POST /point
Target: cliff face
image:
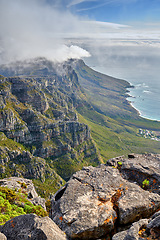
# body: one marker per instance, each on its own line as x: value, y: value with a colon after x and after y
x: 38, y: 112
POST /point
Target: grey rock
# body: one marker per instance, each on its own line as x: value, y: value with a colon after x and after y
x: 133, y: 232
x: 32, y: 227
x: 153, y: 227
x: 138, y: 168
x: 89, y: 205
x: 25, y: 185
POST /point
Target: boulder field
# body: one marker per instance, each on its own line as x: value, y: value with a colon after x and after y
x: 100, y: 201
x: 118, y: 200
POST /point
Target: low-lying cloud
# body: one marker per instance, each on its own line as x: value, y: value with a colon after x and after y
x: 33, y: 28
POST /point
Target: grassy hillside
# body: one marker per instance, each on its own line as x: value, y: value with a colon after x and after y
x: 105, y: 93
x: 108, y: 96
x: 114, y: 138
x: 113, y: 121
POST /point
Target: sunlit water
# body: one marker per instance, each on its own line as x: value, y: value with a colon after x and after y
x: 138, y: 65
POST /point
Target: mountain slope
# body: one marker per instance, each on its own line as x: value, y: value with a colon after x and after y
x: 108, y: 96
x: 38, y: 112
x: 113, y: 121
x: 41, y: 107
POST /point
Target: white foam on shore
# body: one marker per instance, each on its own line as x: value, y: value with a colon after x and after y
x: 140, y: 113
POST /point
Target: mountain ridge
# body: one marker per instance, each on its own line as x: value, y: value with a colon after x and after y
x: 39, y: 112
x: 47, y: 108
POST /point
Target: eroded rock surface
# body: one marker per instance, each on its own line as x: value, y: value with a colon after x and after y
x: 148, y: 229
x: 133, y: 233
x: 95, y: 200
x: 138, y: 168
x: 25, y: 185
x: 30, y: 226
x: 153, y: 227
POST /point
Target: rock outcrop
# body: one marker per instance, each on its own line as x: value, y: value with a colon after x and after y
x: 95, y: 202
x: 30, y: 226
x: 133, y: 233
x: 38, y: 111
x: 143, y: 229
x: 138, y: 168
x: 15, y: 161
x: 38, y: 101
x: 25, y: 185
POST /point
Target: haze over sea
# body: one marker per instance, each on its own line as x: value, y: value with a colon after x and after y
x: 136, y: 61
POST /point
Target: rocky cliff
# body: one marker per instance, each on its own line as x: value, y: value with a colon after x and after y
x: 38, y: 112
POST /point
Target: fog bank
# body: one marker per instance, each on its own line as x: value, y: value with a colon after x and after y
x: 33, y: 28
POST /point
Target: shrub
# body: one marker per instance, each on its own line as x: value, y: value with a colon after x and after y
x: 23, y: 184
x: 11, y: 205
x: 10, y: 195
x: 120, y: 163
x: 28, y: 209
x: 145, y: 183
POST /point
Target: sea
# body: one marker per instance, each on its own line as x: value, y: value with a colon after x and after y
x: 136, y: 61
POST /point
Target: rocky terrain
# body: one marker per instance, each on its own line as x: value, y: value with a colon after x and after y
x: 99, y: 201
x: 26, y: 185
x: 43, y: 140
x: 102, y: 202
x: 41, y: 137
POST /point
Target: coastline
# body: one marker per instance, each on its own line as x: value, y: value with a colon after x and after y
x: 129, y: 96
x: 133, y: 106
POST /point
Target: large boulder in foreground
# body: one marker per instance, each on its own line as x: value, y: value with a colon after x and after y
x: 96, y: 200
x: 30, y: 226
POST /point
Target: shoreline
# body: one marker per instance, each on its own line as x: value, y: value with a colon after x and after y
x: 128, y: 92
x: 138, y: 111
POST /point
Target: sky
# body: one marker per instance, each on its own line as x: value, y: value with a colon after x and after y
x: 119, y: 11
x: 31, y: 28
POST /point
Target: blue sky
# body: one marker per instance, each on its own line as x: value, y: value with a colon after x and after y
x: 119, y: 11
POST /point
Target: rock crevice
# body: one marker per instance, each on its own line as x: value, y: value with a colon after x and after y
x: 99, y: 201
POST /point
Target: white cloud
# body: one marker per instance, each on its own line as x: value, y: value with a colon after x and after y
x: 32, y: 28
x: 106, y: 25
x: 75, y: 2
x: 101, y: 3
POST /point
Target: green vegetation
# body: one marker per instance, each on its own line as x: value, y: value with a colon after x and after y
x: 14, y: 203
x: 120, y: 163
x: 114, y: 123
x: 145, y: 183
x: 31, y: 115
x: 10, y: 144
x: 50, y: 186
x: 48, y: 206
x: 113, y: 138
